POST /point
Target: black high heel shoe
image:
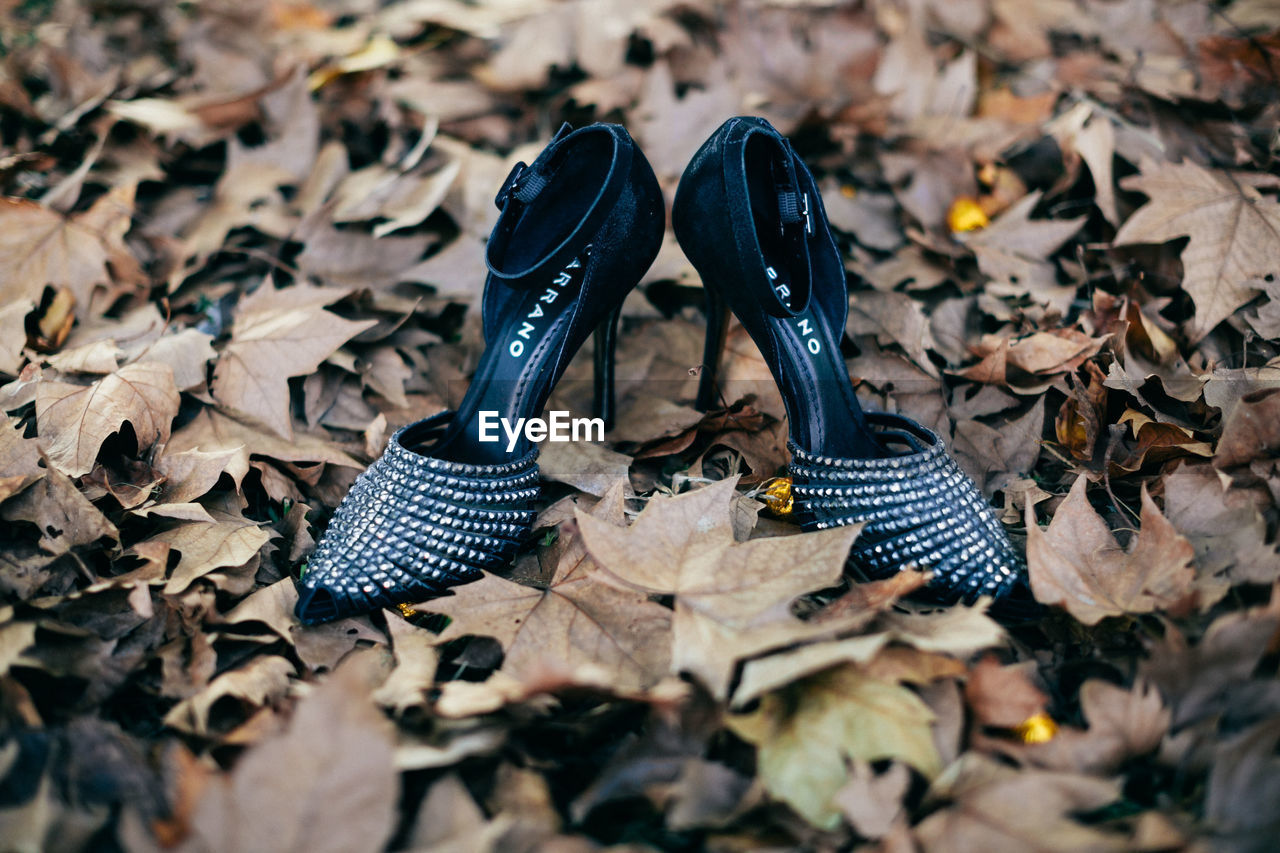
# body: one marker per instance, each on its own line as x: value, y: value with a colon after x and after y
x: 579, y: 227
x: 749, y: 217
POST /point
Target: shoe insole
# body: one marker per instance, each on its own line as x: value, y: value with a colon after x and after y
x: 823, y: 412
x: 517, y: 370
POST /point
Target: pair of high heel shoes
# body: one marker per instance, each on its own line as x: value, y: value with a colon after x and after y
x: 579, y: 228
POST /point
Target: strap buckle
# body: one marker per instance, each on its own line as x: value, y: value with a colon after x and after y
x: 511, y: 185
x: 793, y: 209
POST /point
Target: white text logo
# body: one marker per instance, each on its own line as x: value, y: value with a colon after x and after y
x: 558, y: 427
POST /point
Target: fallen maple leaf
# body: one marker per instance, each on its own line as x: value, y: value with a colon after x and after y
x: 999, y: 809
x: 1234, y: 231
x: 894, y: 318
x: 1077, y: 563
x: 1251, y: 431
x: 1123, y: 723
x: 328, y: 784
x: 75, y: 419
x: 64, y: 516
x: 278, y: 334
x: 190, y: 474
x: 873, y: 803
x: 1243, y: 785
x: 40, y: 247
x: 415, y: 670
x: 214, y: 431
x: 574, y: 622
x: 1013, y: 249
x: 1023, y: 364
x: 1003, y: 696
x: 732, y: 599
x: 263, y: 679
x: 226, y: 542
x: 1225, y: 525
x: 807, y: 733
x: 1196, y: 680
x: 20, y: 464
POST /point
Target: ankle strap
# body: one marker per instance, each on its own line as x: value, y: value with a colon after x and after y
x: 795, y: 220
x: 525, y: 184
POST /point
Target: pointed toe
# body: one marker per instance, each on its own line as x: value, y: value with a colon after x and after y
x: 917, y: 509
x: 317, y: 604
x: 1018, y: 605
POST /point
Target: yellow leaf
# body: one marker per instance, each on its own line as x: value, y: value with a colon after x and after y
x: 808, y: 733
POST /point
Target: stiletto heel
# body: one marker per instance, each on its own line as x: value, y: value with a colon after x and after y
x: 449, y: 498
x: 604, y: 359
x: 749, y: 216
x: 712, y: 350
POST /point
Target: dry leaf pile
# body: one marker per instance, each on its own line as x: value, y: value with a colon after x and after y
x: 242, y: 242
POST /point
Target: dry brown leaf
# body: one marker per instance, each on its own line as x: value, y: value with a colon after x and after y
x: 1077, y: 563
x: 98, y: 357
x: 1196, y: 680
x: 1122, y: 724
x: 65, y: 517
x: 75, y: 420
x: 1251, y: 431
x: 912, y: 666
x: 761, y: 675
x: 406, y: 687
x: 449, y: 821
x: 215, y: 431
x: 354, y: 259
x: 1003, y: 696
x: 1242, y: 786
x: 574, y: 623
x: 20, y: 464
x: 958, y: 630
x: 226, y: 542
x: 191, y: 474
x: 1023, y: 364
x: 41, y: 247
x: 188, y: 352
x: 15, y: 638
x: 732, y: 599
x: 586, y: 465
x: 1080, y: 421
x: 328, y: 784
x: 871, y: 802
x: 278, y: 334
x: 1234, y: 231
x: 262, y: 680
x: 1225, y: 525
x: 1156, y: 442
x: 1002, y: 810
x: 894, y: 318
x: 995, y: 456
x: 271, y: 605
x: 1015, y: 232
x: 13, y: 334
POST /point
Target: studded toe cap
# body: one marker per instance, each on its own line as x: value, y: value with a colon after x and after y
x: 919, y: 510
x: 411, y: 526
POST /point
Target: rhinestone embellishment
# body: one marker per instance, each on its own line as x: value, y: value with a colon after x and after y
x: 918, y: 510
x: 412, y: 526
